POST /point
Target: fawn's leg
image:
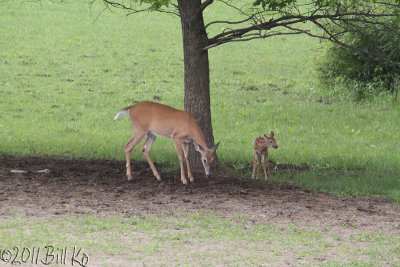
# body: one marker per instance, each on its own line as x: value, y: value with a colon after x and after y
x: 185, y: 147
x: 263, y: 165
x: 269, y: 168
x: 128, y: 149
x: 255, y: 163
x: 146, y: 153
x: 258, y: 165
x: 179, y: 151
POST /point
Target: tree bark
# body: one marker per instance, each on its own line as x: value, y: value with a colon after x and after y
x: 197, y: 72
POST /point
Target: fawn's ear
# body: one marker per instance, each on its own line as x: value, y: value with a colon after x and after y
x: 271, y: 134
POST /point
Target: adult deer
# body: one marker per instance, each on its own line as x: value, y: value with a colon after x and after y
x: 150, y: 120
x: 260, y: 147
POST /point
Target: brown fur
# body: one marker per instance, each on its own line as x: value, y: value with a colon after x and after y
x: 260, y: 149
x: 150, y: 119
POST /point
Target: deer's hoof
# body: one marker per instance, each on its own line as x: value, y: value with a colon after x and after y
x: 129, y: 177
x: 158, y: 177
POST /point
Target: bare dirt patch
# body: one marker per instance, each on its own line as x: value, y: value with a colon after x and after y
x: 76, y: 187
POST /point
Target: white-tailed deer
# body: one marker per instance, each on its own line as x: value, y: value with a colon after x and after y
x: 260, y: 146
x: 150, y: 120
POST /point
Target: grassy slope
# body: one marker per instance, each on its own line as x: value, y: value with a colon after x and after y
x: 63, y: 77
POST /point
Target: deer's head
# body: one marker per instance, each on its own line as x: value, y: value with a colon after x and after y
x: 207, y: 156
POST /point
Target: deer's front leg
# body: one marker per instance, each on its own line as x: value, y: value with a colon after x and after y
x: 264, y: 167
x: 179, y: 150
x: 185, y: 147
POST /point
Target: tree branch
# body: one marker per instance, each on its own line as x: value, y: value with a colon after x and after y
x: 229, y: 22
x: 205, y: 4
x: 291, y: 19
x: 240, y: 10
x: 132, y: 10
x: 333, y: 38
x: 251, y: 37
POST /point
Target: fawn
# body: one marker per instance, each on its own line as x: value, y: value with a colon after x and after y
x: 260, y: 146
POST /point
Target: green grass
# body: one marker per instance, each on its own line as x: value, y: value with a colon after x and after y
x: 63, y: 76
x: 203, y: 239
x: 358, y: 183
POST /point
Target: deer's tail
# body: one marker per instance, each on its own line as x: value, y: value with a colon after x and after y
x: 122, y: 113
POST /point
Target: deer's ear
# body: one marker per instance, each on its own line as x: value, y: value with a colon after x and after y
x: 271, y: 134
x: 215, y: 147
x: 197, y: 147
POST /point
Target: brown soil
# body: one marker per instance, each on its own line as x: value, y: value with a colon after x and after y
x: 100, y: 187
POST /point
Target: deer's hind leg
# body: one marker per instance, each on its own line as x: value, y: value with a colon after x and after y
x: 146, y: 153
x: 128, y: 149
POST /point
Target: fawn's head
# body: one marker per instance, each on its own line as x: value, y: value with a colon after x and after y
x: 266, y: 141
x: 207, y: 156
x: 270, y: 140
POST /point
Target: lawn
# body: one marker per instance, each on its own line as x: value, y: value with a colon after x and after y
x: 200, y: 239
x: 64, y: 74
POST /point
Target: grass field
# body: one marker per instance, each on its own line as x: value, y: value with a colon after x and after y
x: 63, y: 75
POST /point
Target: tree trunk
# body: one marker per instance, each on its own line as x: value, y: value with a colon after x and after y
x: 197, y: 72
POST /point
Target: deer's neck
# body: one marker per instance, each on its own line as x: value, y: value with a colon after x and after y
x: 198, y: 137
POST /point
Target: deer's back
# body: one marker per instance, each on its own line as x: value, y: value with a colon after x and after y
x: 161, y: 119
